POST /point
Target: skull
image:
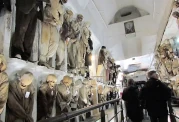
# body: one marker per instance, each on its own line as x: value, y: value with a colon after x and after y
x: 51, y: 80
x: 26, y: 80
x: 67, y: 80
x: 68, y: 15
x: 79, y: 18
x: 175, y: 14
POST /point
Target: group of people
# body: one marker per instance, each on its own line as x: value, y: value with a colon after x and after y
x: 153, y: 97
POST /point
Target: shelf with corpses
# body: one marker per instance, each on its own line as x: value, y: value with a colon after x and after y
x: 16, y: 67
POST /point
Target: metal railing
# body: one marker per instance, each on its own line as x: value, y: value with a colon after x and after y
x: 173, y: 117
x: 70, y: 115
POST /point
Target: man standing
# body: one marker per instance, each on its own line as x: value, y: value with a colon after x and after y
x: 155, y: 95
x: 131, y: 97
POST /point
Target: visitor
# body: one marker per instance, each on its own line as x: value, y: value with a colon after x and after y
x: 131, y: 97
x: 155, y: 95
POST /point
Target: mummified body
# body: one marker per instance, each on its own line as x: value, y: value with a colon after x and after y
x: 73, y: 45
x: 26, y: 19
x: 53, y: 17
x: 75, y: 96
x: 102, y: 61
x: 65, y: 33
x: 21, y: 99
x: 84, y: 100
x: 64, y: 96
x: 83, y: 95
x: 83, y: 43
x: 46, y: 97
x: 4, y: 84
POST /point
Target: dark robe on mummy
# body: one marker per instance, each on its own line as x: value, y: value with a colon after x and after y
x: 88, y: 56
x: 63, y: 99
x: 65, y: 33
x: 20, y: 103
x: 4, y: 87
x: 5, y: 4
x: 45, y: 99
x: 26, y: 19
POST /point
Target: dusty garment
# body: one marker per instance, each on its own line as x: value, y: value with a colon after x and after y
x: 70, y: 58
x: 5, y: 4
x: 88, y: 57
x: 20, y: 103
x: 175, y: 66
x: 25, y: 29
x: 45, y: 99
x: 73, y: 51
x: 83, y: 100
x: 49, y: 42
x: 53, y: 13
x: 73, y: 47
x: 60, y: 57
x: 81, y: 52
x: 84, y: 46
x: 100, y: 70
x: 63, y: 100
x: 168, y: 65
x: 4, y: 87
x: 101, y: 58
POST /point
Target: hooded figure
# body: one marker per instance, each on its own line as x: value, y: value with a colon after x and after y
x: 88, y: 57
x: 46, y: 97
x: 64, y: 96
x: 84, y: 47
x: 73, y: 44
x: 131, y: 97
x: 4, y: 84
x: 21, y: 99
x: 102, y: 60
x: 25, y: 28
x: 53, y: 17
x: 64, y: 35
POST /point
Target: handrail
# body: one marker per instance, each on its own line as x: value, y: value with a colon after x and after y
x: 115, y: 115
x: 175, y: 98
x: 174, y: 116
x: 70, y: 115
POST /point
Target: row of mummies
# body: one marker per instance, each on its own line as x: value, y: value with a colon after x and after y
x: 52, y: 42
x: 167, y: 57
x: 19, y: 95
x: 58, y: 29
x: 106, y: 64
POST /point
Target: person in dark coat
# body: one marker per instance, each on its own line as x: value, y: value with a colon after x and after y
x: 155, y: 95
x: 131, y: 97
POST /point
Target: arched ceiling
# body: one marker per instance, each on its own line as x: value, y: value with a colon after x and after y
x: 101, y: 12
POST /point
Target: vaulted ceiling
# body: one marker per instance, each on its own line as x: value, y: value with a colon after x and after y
x: 101, y: 12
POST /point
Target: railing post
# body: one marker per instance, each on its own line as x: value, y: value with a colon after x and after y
x: 122, y: 114
x: 115, y: 111
x: 103, y: 118
x: 172, y: 118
